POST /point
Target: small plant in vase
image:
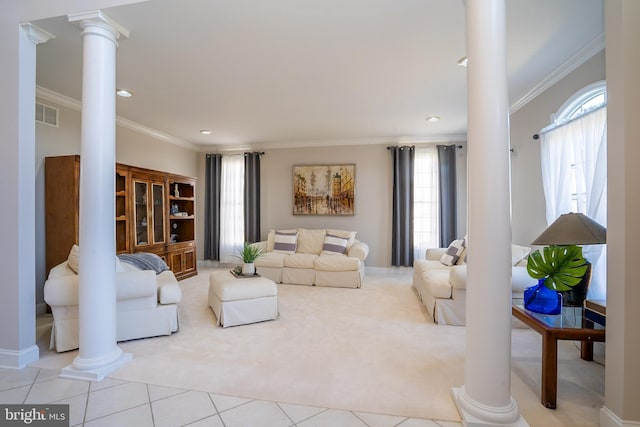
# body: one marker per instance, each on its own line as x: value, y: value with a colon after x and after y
x: 248, y: 254
x: 557, y: 268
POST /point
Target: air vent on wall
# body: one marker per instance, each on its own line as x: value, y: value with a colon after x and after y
x: 46, y: 114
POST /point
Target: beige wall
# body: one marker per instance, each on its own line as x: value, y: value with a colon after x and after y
x: 132, y: 148
x: 528, y: 206
x: 372, y: 219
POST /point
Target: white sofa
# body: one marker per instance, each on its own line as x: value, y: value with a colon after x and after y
x: 311, y: 264
x: 443, y: 289
x: 147, y: 304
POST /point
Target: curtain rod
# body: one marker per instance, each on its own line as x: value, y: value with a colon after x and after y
x: 401, y: 146
x: 555, y: 126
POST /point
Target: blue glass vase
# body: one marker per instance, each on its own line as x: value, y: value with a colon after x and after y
x: 541, y: 299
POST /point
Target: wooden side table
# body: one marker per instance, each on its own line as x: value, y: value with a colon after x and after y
x: 568, y: 325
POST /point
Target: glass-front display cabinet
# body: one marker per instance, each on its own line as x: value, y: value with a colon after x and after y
x: 149, y: 212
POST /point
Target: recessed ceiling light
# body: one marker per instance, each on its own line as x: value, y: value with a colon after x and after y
x: 433, y: 119
x: 124, y: 93
x: 463, y: 61
x: 205, y: 132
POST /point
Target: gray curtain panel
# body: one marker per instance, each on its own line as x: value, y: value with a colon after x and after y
x: 402, y: 225
x: 213, y: 174
x: 448, y: 207
x: 252, y: 197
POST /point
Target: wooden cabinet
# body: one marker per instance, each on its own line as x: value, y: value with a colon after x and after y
x: 154, y: 212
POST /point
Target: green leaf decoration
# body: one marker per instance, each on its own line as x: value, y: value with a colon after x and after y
x: 249, y: 253
x: 562, y: 267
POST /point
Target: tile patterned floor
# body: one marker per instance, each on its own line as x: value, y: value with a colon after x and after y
x: 110, y: 403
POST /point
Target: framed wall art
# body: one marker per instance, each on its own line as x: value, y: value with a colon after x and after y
x: 324, y: 189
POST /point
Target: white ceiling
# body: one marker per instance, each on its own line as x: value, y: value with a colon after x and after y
x: 272, y: 73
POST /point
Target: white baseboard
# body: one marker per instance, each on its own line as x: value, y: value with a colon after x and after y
x: 18, y: 359
x: 609, y: 419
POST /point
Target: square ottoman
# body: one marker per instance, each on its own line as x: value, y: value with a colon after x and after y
x: 238, y: 301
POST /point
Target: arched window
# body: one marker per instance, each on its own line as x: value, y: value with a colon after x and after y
x: 587, y: 99
x: 573, y: 156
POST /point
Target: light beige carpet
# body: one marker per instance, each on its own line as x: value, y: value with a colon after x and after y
x: 371, y: 349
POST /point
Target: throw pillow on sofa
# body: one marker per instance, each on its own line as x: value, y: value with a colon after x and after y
x: 334, y: 245
x: 453, y: 252
x: 285, y: 242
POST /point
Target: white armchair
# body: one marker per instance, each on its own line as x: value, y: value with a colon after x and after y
x: 147, y: 304
x: 443, y: 289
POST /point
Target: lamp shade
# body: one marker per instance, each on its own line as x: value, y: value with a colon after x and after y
x: 572, y: 229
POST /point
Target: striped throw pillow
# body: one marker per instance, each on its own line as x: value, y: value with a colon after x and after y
x: 334, y: 245
x: 452, y: 255
x: 285, y: 242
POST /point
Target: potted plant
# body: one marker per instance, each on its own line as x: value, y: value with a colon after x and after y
x: 248, y: 254
x: 558, y: 269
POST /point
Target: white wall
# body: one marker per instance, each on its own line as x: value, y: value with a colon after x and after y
x: 528, y: 206
x: 132, y: 148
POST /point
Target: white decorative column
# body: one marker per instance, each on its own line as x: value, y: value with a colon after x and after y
x: 485, y: 398
x: 99, y: 353
x: 17, y: 173
x: 622, y: 374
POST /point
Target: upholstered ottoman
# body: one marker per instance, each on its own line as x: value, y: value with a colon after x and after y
x: 238, y: 301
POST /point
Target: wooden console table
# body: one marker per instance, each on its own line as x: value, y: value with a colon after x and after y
x: 568, y: 325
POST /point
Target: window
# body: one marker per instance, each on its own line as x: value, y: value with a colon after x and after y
x: 574, y: 167
x: 426, y: 208
x: 231, y: 207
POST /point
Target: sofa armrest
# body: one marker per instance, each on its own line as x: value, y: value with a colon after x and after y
x: 458, y: 277
x: 434, y: 254
x: 63, y: 290
x: 358, y: 250
x: 169, y: 291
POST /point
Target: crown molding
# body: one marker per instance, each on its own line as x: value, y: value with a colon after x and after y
x: 594, y: 46
x: 456, y: 138
x: 76, y: 105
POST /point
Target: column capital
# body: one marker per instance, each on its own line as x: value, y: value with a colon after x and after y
x: 97, y: 18
x: 36, y: 34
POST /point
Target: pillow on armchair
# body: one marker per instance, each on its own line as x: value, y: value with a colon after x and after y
x: 454, y: 252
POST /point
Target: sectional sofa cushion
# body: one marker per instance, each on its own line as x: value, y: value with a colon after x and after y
x: 335, y: 263
x: 300, y: 260
x: 310, y: 241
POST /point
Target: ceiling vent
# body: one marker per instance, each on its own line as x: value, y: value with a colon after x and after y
x: 46, y: 114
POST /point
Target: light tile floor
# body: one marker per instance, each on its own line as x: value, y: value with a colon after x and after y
x: 116, y: 403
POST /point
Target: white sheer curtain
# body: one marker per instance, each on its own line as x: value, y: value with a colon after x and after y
x: 231, y: 208
x: 574, y: 177
x: 426, y: 210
